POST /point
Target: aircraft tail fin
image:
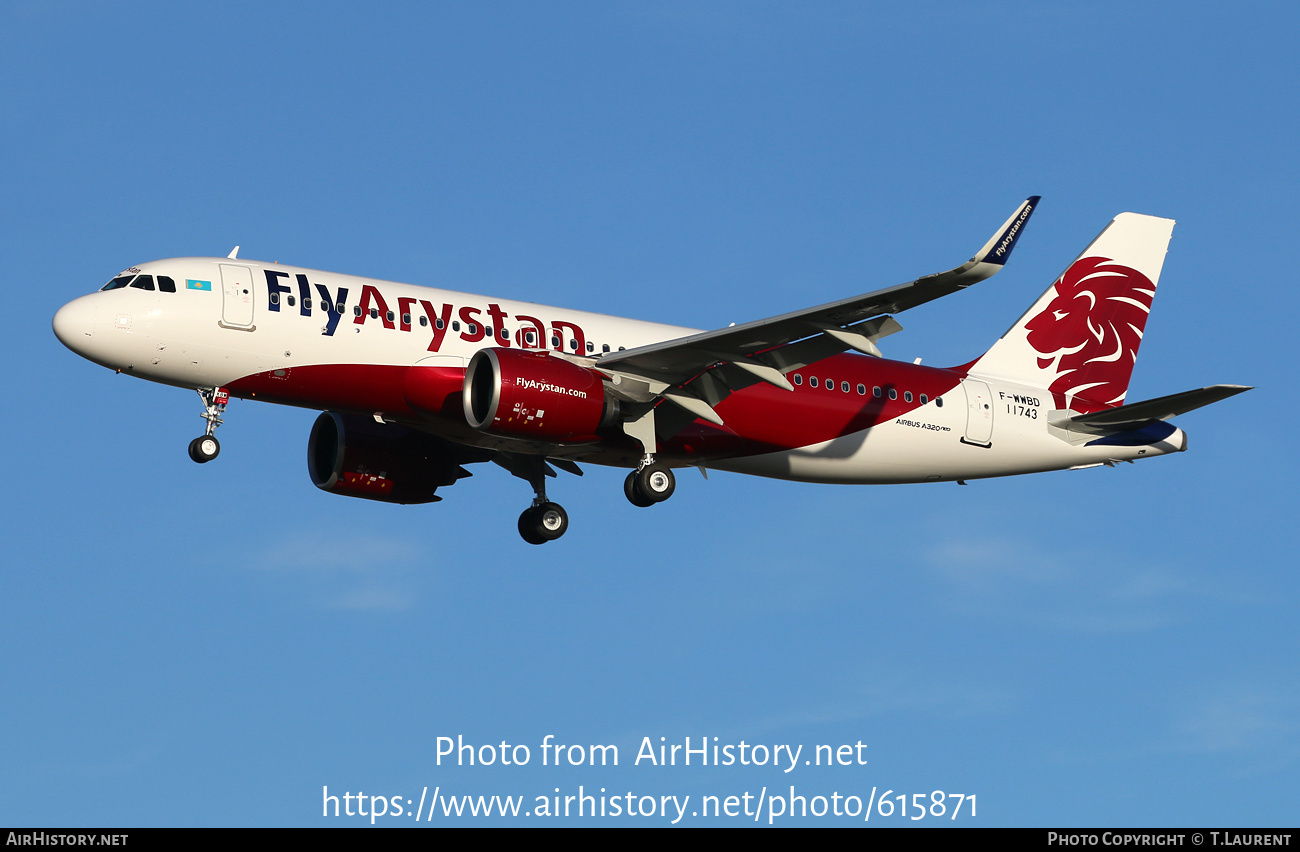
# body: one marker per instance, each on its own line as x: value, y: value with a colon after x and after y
x: 1081, y: 338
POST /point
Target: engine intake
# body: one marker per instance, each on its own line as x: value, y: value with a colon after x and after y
x: 535, y: 395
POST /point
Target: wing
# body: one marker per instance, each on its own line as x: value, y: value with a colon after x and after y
x: 699, y: 370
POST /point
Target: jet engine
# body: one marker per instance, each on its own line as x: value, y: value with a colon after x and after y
x: 357, y: 457
x: 536, y: 396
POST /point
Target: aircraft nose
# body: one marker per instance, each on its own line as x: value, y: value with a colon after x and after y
x: 74, y: 324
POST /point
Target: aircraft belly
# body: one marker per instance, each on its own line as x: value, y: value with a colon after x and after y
x: 919, y: 449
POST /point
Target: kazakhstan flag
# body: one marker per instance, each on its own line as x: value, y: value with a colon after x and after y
x: 193, y: 284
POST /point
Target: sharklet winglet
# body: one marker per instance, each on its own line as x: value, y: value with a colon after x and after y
x: 998, y: 249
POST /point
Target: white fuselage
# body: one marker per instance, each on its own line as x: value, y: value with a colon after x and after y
x: 229, y: 320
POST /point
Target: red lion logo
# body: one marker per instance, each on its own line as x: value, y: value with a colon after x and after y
x: 1091, y: 331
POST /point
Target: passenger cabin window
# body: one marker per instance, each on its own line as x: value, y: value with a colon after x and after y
x: 356, y: 310
x: 876, y: 392
x: 143, y: 282
x: 844, y: 386
x: 604, y: 347
x: 893, y: 393
x: 812, y: 381
x: 923, y: 399
x: 798, y: 378
x: 907, y: 396
x: 424, y: 321
x: 306, y: 303
x: 862, y: 390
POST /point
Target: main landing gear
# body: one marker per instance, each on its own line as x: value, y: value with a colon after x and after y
x: 649, y: 484
x: 543, y: 521
x: 206, y: 447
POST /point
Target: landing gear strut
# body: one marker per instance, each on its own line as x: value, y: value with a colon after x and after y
x: 543, y: 521
x: 649, y: 484
x: 206, y: 447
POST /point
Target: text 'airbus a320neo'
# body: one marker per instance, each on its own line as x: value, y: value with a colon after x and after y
x: 415, y: 383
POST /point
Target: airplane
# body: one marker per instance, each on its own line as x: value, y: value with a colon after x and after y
x: 414, y: 383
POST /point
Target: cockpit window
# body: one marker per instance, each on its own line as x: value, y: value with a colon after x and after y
x: 166, y: 284
x: 143, y: 282
x: 118, y: 282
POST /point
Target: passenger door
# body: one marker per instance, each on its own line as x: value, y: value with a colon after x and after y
x: 979, y: 413
x: 236, y: 297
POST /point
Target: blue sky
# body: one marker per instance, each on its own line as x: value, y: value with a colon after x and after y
x: 187, y: 645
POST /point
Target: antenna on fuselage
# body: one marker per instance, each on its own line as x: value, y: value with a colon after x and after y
x: 234, y: 252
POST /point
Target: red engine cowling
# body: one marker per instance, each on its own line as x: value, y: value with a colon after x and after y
x: 534, y: 395
x: 357, y: 457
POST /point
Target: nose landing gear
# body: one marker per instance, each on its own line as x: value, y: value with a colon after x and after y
x: 205, y: 448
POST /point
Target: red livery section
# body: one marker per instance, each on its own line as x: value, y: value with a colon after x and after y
x: 434, y: 390
x: 535, y: 395
x: 834, y: 398
x: 362, y: 388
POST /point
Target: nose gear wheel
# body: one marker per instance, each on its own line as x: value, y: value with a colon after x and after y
x: 205, y: 448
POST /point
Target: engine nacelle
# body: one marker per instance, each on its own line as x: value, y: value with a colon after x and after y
x: 357, y: 457
x: 537, y: 396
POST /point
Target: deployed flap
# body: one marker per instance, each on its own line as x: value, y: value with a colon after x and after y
x: 1139, y: 414
x: 675, y: 361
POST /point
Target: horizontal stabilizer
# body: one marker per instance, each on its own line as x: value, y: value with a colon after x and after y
x: 1138, y: 414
